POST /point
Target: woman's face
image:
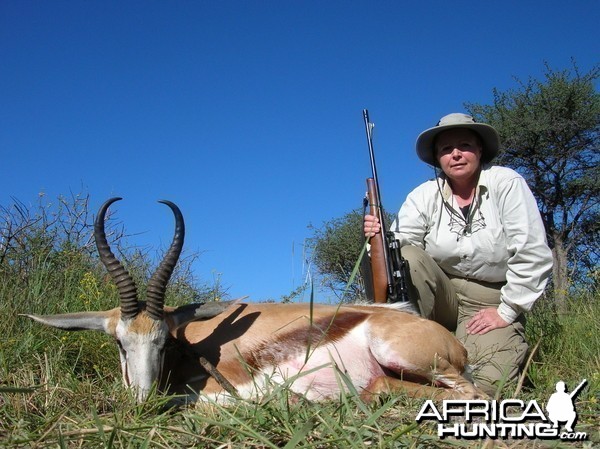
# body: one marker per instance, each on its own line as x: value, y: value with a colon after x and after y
x: 458, y: 152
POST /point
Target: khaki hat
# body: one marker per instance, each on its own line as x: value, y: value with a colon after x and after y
x: 489, y: 137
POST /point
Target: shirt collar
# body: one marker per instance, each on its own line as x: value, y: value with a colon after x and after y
x: 480, y: 190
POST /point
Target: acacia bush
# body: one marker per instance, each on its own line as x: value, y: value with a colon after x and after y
x: 49, y: 264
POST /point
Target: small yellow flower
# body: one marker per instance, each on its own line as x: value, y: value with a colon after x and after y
x: 89, y: 290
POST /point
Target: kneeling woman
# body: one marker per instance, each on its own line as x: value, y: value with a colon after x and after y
x: 476, y: 246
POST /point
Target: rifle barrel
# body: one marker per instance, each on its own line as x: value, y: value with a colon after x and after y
x: 369, y: 129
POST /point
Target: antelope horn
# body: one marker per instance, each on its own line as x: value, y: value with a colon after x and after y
x: 157, y: 285
x: 121, y: 277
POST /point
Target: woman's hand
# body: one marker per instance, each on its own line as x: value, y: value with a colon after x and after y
x: 484, y: 321
x: 371, y: 225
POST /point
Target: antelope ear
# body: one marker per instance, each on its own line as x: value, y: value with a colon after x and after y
x: 204, y: 311
x: 97, y: 321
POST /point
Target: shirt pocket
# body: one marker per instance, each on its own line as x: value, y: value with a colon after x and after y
x: 492, y: 245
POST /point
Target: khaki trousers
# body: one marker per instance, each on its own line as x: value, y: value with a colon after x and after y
x: 495, y: 357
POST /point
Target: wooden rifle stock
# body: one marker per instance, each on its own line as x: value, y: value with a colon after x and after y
x: 379, y: 268
x: 389, y: 270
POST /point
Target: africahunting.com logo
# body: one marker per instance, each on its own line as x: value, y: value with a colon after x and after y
x: 510, y: 418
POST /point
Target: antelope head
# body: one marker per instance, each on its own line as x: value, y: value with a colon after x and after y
x: 140, y: 328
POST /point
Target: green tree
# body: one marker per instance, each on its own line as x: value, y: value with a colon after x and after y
x: 335, y: 248
x: 549, y: 132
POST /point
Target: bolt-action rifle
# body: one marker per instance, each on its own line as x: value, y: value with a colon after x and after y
x: 389, y: 269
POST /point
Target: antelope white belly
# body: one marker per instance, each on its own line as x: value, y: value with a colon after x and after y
x: 320, y: 373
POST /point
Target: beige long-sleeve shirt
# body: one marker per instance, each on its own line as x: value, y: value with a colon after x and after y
x: 501, y: 240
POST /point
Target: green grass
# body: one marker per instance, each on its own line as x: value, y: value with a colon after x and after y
x: 60, y: 389
x: 64, y: 390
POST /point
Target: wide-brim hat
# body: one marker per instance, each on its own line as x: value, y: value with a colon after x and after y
x: 489, y: 137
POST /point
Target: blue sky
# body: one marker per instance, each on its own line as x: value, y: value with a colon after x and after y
x: 248, y: 114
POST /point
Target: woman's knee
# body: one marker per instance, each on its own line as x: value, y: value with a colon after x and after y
x: 414, y: 253
x: 496, y: 364
x: 420, y: 263
x: 431, y: 287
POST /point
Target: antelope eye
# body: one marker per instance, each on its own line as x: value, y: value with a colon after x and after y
x: 159, y: 343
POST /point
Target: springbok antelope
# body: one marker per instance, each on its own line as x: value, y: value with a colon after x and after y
x: 309, y: 346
